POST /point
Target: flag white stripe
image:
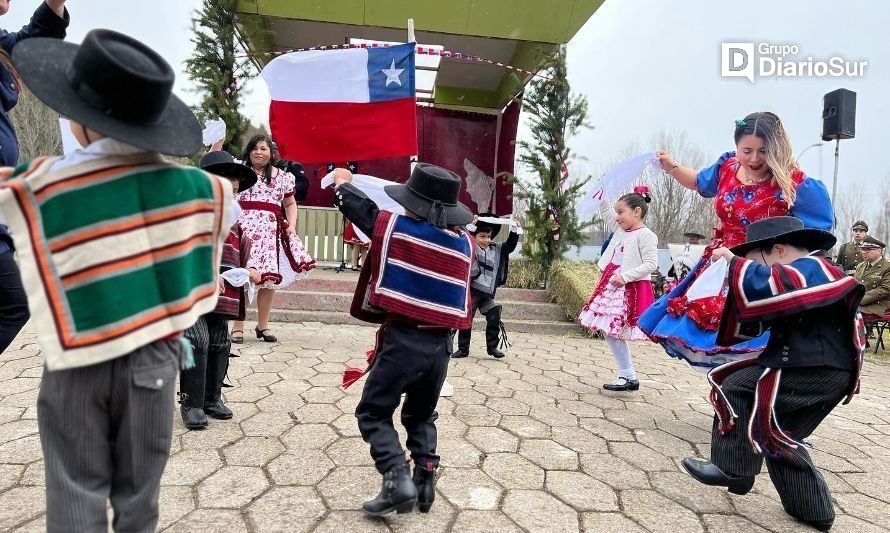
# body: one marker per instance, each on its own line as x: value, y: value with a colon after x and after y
x: 319, y: 76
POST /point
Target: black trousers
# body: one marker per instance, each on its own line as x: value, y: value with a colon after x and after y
x: 491, y: 310
x: 13, y: 301
x: 411, y: 361
x: 806, y: 396
x: 211, y: 345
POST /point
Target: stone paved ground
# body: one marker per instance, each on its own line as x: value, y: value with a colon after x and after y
x: 529, y: 443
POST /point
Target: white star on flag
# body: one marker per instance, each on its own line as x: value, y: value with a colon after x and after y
x: 392, y: 74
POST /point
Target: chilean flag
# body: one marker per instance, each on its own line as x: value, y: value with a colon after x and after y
x: 343, y: 105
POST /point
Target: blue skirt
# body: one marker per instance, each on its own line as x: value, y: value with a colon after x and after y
x: 683, y: 339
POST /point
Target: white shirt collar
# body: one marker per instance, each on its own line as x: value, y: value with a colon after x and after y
x: 104, y: 147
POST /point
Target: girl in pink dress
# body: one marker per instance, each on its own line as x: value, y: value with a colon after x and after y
x: 625, y: 288
x: 269, y: 219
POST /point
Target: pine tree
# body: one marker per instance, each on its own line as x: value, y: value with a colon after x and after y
x: 552, y: 226
x: 220, y: 67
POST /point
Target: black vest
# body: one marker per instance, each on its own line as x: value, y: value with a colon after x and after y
x: 818, y: 337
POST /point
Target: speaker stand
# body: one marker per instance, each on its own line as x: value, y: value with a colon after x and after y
x: 837, y: 154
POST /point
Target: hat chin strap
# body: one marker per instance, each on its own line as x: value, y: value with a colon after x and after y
x: 437, y: 216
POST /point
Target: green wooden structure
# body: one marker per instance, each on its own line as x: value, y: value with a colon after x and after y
x: 521, y: 33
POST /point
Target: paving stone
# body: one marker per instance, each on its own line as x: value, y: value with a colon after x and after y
x: 210, y: 521
x: 606, y: 429
x: 508, y: 406
x: 346, y: 488
x: 350, y: 522
x: 20, y: 505
x: 513, y: 471
x: 231, y: 487
x: 9, y: 475
x: 438, y: 520
x: 484, y: 522
x: 582, y: 492
x: 267, y: 424
x: 286, y: 509
x: 17, y: 429
x: 492, y: 440
x: 477, y: 415
x: 20, y: 451
x: 720, y: 522
x: 579, y: 440
x: 613, y: 471
x: 693, y: 495
x: 609, y: 522
x: 252, y: 451
x: 468, y: 488
x: 189, y: 467
x: 657, y: 513
x: 308, y: 436
x: 870, y: 509
x: 35, y: 475
x: 174, y: 502
x: 525, y: 427
x: 459, y: 453
x: 548, y: 454
x: 537, y: 510
x: 641, y: 456
x: 350, y: 452
x: 217, y: 434
x: 300, y: 467
x: 316, y: 413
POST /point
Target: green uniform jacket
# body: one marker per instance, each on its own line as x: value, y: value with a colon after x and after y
x: 877, y: 286
x: 849, y: 256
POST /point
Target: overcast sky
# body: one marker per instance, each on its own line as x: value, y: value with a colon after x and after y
x: 645, y: 66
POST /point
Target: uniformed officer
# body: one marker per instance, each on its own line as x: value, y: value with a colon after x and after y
x: 848, y: 256
x: 874, y: 273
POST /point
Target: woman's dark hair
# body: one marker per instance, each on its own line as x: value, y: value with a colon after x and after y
x: 251, y: 144
x: 634, y: 200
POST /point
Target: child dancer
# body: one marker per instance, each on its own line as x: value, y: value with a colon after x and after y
x: 624, y: 290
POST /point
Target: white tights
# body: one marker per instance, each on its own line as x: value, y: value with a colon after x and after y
x: 622, y: 356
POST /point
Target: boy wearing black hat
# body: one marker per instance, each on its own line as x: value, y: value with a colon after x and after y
x: 489, y: 273
x: 120, y: 250
x: 415, y: 281
x: 765, y: 407
x: 200, y: 393
x: 849, y: 255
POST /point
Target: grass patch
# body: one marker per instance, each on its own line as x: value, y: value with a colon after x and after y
x: 571, y: 284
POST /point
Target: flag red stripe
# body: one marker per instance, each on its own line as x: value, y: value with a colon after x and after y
x: 318, y: 132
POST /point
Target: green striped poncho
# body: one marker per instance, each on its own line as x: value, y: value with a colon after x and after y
x: 115, y: 253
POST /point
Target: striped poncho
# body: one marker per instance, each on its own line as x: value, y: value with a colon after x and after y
x: 115, y: 253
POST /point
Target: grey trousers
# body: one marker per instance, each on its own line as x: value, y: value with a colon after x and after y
x: 806, y: 396
x: 105, y: 431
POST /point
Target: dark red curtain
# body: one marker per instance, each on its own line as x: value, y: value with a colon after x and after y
x: 451, y: 139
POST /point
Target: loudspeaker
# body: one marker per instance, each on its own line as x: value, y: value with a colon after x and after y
x: 839, y: 115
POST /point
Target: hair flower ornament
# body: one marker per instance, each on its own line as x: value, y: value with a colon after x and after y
x: 642, y: 190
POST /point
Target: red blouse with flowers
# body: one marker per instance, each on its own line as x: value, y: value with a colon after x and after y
x: 739, y: 205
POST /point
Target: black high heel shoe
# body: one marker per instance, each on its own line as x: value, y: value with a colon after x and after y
x: 261, y: 334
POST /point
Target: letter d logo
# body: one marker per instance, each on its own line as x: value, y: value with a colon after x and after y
x: 737, y: 60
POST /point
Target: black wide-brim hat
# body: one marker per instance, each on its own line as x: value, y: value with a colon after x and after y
x: 431, y: 193
x: 113, y: 84
x: 482, y: 225
x: 694, y: 234
x: 223, y: 164
x: 783, y: 230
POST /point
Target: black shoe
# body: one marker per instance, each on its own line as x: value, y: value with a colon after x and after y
x: 494, y: 352
x: 710, y: 474
x: 261, y: 334
x: 237, y: 339
x: 622, y: 384
x: 398, y: 494
x: 460, y: 353
x: 821, y: 525
x: 193, y: 417
x: 217, y: 409
x: 425, y: 481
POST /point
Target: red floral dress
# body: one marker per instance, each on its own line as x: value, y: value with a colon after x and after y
x: 688, y: 329
x: 280, y: 258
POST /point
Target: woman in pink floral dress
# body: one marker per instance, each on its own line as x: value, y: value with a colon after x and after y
x: 269, y: 218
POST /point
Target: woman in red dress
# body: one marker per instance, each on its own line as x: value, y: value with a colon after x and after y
x: 760, y: 179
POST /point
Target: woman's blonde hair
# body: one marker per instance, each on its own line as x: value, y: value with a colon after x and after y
x: 779, y: 156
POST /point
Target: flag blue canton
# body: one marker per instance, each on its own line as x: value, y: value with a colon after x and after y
x: 399, y: 57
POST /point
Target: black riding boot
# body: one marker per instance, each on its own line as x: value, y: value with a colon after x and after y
x: 217, y: 367
x: 191, y: 394
x: 398, y: 494
x: 463, y: 343
x: 493, y: 331
x: 425, y: 481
